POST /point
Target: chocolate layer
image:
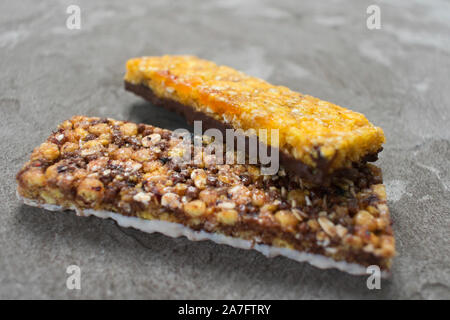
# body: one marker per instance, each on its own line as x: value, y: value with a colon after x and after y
x: 319, y: 174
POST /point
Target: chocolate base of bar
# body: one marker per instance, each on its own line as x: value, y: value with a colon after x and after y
x: 318, y: 175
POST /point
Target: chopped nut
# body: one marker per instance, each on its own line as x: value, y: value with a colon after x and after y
x: 111, y: 148
x: 364, y: 218
x: 69, y: 147
x: 51, y: 196
x: 253, y: 171
x: 66, y: 125
x: 171, y: 200
x: 199, y: 178
x: 91, y: 147
x: 210, y: 160
x: 151, y: 166
x: 180, y: 188
x: 176, y: 153
x: 373, y: 211
x: 208, y: 196
x: 383, y: 209
x: 99, y: 129
x: 105, y: 138
x: 59, y: 137
x: 129, y: 129
x: 90, y: 190
x: 374, y: 239
x: 283, y: 192
x: 224, y: 178
x: 258, y: 198
x: 298, y: 214
x: 331, y: 251
x: 122, y: 154
x: 327, y: 226
x: 286, y: 219
x: 381, y: 223
x: 51, y: 172
x: 322, y: 214
x: 195, y: 208
x: 49, y: 151
x: 34, y: 178
x: 380, y: 190
x: 269, y: 207
x: 387, y: 247
x: 192, y: 192
x: 227, y: 205
x: 132, y: 166
x: 369, y: 248
x: 92, y: 144
x: 308, y: 201
x: 341, y: 231
x: 151, y: 140
x: 240, y: 194
x: 142, y: 155
x: 77, y: 120
x: 354, y: 241
x: 229, y: 217
x: 321, y: 236
x: 313, y: 224
x: 142, y: 197
x: 80, y: 133
x: 154, y: 178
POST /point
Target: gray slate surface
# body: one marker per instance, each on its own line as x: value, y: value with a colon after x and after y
x: 397, y: 76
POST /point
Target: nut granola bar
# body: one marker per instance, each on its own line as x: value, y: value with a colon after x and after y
x: 316, y: 138
x: 127, y: 172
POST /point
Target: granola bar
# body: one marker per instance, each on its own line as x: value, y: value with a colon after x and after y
x: 316, y: 138
x: 128, y: 172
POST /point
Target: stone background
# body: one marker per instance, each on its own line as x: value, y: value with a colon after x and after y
x: 397, y: 76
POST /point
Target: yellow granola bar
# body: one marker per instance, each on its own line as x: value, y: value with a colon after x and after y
x: 318, y: 134
x: 128, y: 172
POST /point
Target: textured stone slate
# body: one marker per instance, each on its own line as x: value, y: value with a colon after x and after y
x: 398, y: 76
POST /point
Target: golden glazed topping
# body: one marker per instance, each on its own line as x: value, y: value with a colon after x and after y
x: 309, y: 128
